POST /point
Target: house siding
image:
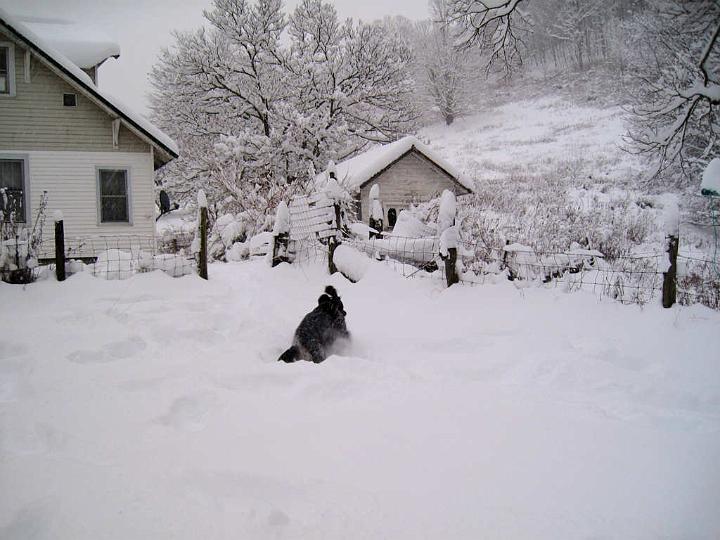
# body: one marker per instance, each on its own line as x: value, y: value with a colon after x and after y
x: 70, y: 179
x: 35, y: 118
x: 411, y: 179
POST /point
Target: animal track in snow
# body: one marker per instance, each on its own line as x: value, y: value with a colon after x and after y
x: 117, y: 350
x: 188, y: 412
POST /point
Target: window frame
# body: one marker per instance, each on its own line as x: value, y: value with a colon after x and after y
x: 128, y: 195
x: 26, y: 182
x: 74, y: 95
x: 11, y: 69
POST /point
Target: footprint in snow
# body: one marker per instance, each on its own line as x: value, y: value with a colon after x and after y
x: 126, y: 348
x: 188, y: 412
x: 117, y: 350
x: 278, y: 519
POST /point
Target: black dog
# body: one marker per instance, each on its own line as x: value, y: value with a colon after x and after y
x: 319, y: 330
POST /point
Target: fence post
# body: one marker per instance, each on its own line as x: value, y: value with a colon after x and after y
x: 670, y: 276
x: 281, y: 235
x: 451, y: 274
x: 59, y: 247
x: 334, y: 241
x: 202, y: 258
x: 448, y: 235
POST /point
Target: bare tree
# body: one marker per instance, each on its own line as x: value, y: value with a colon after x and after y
x: 674, y: 115
x: 494, y: 25
x: 573, y: 23
x: 445, y: 74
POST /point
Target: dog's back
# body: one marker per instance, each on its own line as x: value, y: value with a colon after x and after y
x: 318, y: 330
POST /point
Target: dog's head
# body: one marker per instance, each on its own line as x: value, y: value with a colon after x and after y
x: 330, y: 302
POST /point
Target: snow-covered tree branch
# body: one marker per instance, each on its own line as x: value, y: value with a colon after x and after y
x: 675, y: 118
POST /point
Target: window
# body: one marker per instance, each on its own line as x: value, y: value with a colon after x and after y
x: 7, y: 69
x: 113, y: 195
x: 12, y: 183
x: 69, y: 100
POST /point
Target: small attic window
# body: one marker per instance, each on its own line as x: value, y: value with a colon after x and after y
x: 69, y: 100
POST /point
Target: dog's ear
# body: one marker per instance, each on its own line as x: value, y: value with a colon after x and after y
x: 324, y: 300
x: 330, y: 290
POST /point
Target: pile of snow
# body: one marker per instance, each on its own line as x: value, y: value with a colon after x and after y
x: 155, y: 408
x: 181, y: 221
x: 409, y: 226
x: 350, y: 262
x: 113, y: 264
x: 173, y: 265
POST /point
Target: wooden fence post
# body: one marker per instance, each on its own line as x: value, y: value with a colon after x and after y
x: 202, y: 258
x: 451, y: 273
x: 59, y: 249
x: 669, y: 291
x: 334, y: 241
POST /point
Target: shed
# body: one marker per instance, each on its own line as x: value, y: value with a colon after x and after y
x: 407, y: 172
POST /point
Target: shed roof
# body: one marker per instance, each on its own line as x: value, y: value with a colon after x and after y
x: 358, y: 170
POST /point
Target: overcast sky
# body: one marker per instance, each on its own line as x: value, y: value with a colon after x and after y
x: 142, y: 28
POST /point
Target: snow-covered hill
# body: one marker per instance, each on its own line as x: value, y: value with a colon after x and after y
x: 154, y: 408
x: 549, y: 135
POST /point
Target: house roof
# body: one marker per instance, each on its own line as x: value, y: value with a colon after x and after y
x: 358, y: 170
x: 61, y: 64
x: 84, y: 46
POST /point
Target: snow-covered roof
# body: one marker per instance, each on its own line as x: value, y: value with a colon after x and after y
x: 62, y: 63
x: 356, y: 171
x: 84, y: 46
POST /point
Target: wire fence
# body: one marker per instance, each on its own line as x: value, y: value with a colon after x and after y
x: 122, y: 256
x: 631, y: 279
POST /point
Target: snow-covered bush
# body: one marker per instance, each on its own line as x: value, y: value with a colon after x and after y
x: 20, y: 243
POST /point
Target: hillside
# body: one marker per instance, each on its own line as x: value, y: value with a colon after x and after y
x: 548, y: 158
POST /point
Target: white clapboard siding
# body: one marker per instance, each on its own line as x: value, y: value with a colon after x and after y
x: 70, y: 178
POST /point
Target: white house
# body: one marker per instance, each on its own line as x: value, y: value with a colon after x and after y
x: 60, y: 133
x: 406, y: 171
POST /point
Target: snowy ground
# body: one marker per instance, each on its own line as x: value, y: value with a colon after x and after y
x: 154, y: 408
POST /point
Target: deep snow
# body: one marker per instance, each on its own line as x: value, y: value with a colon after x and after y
x: 154, y: 408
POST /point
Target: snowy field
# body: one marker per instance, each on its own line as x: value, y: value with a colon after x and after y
x: 154, y: 408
